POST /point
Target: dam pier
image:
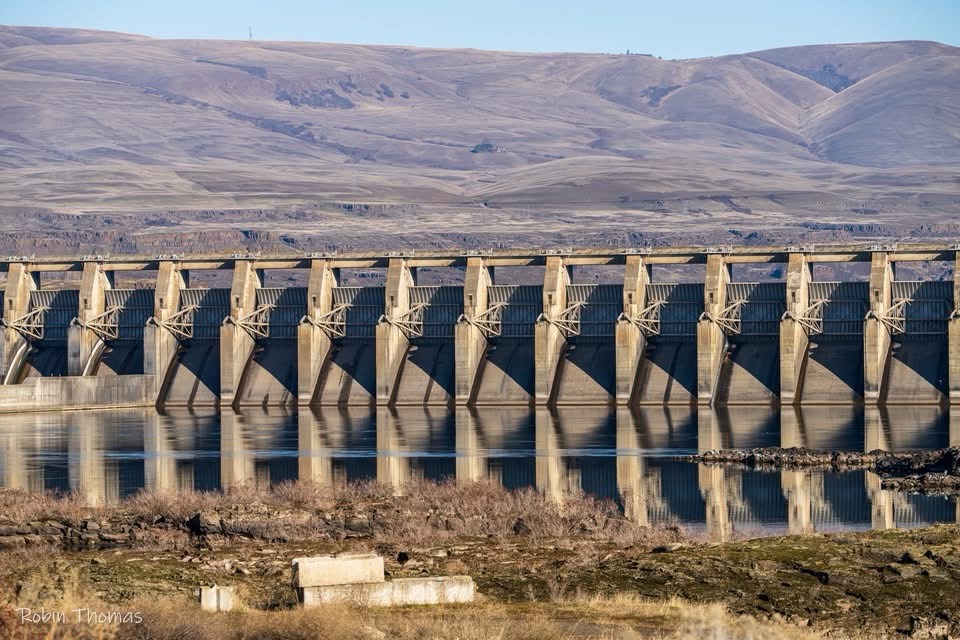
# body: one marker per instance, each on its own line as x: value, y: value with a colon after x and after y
x: 722, y: 326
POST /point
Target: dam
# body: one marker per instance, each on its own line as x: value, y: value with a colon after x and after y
x: 696, y: 326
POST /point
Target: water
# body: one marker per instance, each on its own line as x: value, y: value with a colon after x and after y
x: 621, y: 454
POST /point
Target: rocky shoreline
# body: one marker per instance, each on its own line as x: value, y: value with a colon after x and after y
x: 935, y: 472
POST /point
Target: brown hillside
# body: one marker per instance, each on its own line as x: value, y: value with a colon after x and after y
x: 117, y: 123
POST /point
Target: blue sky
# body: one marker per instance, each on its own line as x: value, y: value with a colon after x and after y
x: 668, y: 28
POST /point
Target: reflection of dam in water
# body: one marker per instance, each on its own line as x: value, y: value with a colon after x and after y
x: 623, y: 454
x: 845, y: 325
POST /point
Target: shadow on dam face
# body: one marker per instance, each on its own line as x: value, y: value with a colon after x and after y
x: 508, y: 374
x: 834, y: 372
x: 587, y: 371
x: 430, y: 380
x: 195, y: 378
x: 668, y: 374
x: 917, y: 371
x: 350, y: 376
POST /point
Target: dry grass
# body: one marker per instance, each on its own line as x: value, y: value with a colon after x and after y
x: 428, y: 512
x: 619, y: 617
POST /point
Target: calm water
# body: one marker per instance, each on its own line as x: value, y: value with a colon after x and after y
x: 624, y: 455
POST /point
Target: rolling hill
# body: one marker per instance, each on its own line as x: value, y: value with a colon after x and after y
x: 359, y: 144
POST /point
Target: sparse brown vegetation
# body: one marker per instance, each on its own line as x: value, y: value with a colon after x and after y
x: 429, y: 512
x: 545, y: 568
x: 620, y: 617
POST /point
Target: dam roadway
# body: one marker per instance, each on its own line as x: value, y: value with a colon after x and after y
x: 713, y: 338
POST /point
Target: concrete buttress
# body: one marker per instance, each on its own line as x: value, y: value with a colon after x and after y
x: 236, y: 344
x: 630, y: 341
x: 16, y: 303
x: 549, y: 341
x: 711, y: 340
x: 313, y: 344
x: 470, y: 343
x: 793, y: 338
x: 876, y: 334
x: 159, y: 344
x: 953, y: 333
x: 82, y: 341
x: 391, y: 342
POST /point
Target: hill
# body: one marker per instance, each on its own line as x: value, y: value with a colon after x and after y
x: 479, y: 142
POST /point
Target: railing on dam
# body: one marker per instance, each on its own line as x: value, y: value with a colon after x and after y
x: 793, y: 339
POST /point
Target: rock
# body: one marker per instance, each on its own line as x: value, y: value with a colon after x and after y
x: 369, y: 633
x: 904, y: 570
x: 521, y: 528
x: 11, y: 542
x: 114, y: 537
x: 667, y: 548
x: 90, y: 538
x: 925, y: 628
x: 916, y: 557
x: 205, y: 522
x: 47, y: 530
x: 90, y: 525
x: 7, y: 530
x: 358, y: 524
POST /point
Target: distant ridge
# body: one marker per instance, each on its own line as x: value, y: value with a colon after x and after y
x: 94, y: 121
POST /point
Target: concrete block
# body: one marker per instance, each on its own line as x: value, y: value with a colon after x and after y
x: 216, y: 598
x: 344, y: 569
x: 436, y: 590
x: 395, y: 593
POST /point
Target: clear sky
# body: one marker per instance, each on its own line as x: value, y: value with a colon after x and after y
x: 668, y: 28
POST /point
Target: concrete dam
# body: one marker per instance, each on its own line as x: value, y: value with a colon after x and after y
x: 665, y: 326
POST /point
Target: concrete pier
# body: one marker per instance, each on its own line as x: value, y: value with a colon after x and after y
x: 21, y: 281
x: 711, y: 339
x: 630, y: 341
x: 549, y: 340
x: 470, y: 340
x: 719, y: 342
x: 953, y: 338
x: 392, y: 342
x: 82, y: 340
x: 160, y: 345
x: 236, y: 343
x: 876, y: 333
x: 793, y: 337
x: 314, y: 345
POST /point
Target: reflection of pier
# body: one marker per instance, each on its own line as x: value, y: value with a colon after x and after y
x: 257, y: 447
x: 620, y: 453
x: 337, y: 444
x: 406, y: 441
